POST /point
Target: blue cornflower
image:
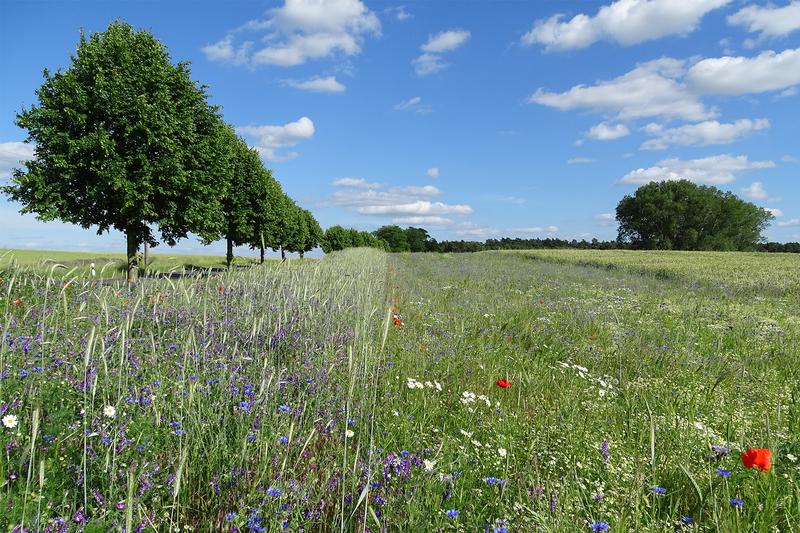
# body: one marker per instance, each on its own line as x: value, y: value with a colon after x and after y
x: 501, y: 529
x: 658, y: 490
x: 37, y: 369
x: 230, y: 516
x: 283, y: 439
x: 274, y: 492
x: 23, y: 373
x: 251, y: 437
x: 686, y: 520
x: 491, y: 480
x: 736, y: 502
x: 254, y: 523
x: 722, y: 472
x: 179, y: 432
x: 284, y: 408
x: 244, y: 406
x: 451, y: 513
x: 174, y: 424
x: 599, y: 526
x: 404, y: 453
x: 106, y: 440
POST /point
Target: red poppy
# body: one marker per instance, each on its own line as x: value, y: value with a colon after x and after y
x: 503, y: 384
x: 221, y: 288
x: 757, y: 458
x: 17, y: 302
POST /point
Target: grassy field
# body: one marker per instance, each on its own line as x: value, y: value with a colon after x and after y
x: 288, y: 396
x: 107, y: 265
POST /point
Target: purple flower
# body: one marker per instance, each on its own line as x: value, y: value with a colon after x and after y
x: 451, y: 513
x: 284, y: 408
x: 604, y: 450
x: 736, y: 502
x: 120, y: 505
x: 599, y: 526
x: 78, y: 517
x: 230, y: 516
x: 722, y: 472
x: 686, y: 520
x: 283, y: 439
x: 274, y: 492
x: 658, y: 490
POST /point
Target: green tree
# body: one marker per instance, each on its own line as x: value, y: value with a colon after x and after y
x: 124, y: 139
x: 314, y: 233
x: 335, y: 238
x: 395, y: 238
x: 417, y: 239
x: 680, y: 215
x: 266, y: 210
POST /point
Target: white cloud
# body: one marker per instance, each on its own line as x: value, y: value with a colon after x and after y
x: 607, y: 132
x: 298, y: 31
x: 419, y: 220
x: 445, y: 41
x: 623, y: 21
x: 420, y: 207
x: 430, y: 60
x: 328, y: 84
x: 606, y: 219
x: 792, y: 222
x: 651, y: 89
x: 433, y: 172
x: 701, y: 134
x: 414, y: 104
x: 579, y: 160
x: 468, y: 229
x: 755, y: 191
x: 12, y: 154
x: 768, y: 20
x: 268, y: 139
x: 774, y: 211
x: 768, y: 71
x: 714, y: 170
x: 358, y: 183
x: 789, y: 159
x: 399, y: 12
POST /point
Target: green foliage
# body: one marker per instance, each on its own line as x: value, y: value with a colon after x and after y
x: 395, y: 237
x: 680, y: 215
x: 124, y: 139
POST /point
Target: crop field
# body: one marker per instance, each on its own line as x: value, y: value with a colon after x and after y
x: 551, y: 391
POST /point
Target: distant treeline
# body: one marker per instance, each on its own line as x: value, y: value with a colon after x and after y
x: 396, y: 239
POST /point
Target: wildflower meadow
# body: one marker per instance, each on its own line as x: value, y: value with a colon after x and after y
x: 370, y: 392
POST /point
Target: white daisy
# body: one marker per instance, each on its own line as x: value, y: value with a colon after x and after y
x: 10, y: 421
x: 110, y: 411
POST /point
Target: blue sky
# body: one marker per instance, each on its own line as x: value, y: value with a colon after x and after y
x: 471, y: 119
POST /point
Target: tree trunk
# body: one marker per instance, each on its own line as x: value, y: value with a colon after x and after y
x: 146, y: 258
x: 262, y: 253
x: 283, y: 254
x: 301, y: 254
x: 229, y: 254
x: 133, y: 262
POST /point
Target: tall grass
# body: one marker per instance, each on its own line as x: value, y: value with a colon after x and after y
x: 285, y: 397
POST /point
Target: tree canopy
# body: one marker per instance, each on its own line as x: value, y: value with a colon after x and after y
x: 123, y: 139
x: 680, y: 215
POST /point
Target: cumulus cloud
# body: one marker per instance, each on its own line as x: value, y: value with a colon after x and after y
x: 269, y: 139
x: 399, y: 13
x: 792, y: 222
x: 755, y: 191
x: 768, y: 71
x: 409, y: 201
x: 606, y: 219
x: 651, y: 89
x: 298, y: 31
x: 580, y: 160
x: 623, y: 21
x: 768, y: 20
x: 774, y: 211
x: 431, y: 59
x: 328, y: 84
x: 607, y: 132
x: 414, y: 104
x: 433, y: 172
x: 701, y: 134
x: 714, y: 170
x: 12, y: 154
x: 358, y: 183
x: 468, y: 229
x: 420, y: 220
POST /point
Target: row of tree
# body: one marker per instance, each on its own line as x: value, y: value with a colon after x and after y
x: 338, y: 238
x: 125, y: 139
